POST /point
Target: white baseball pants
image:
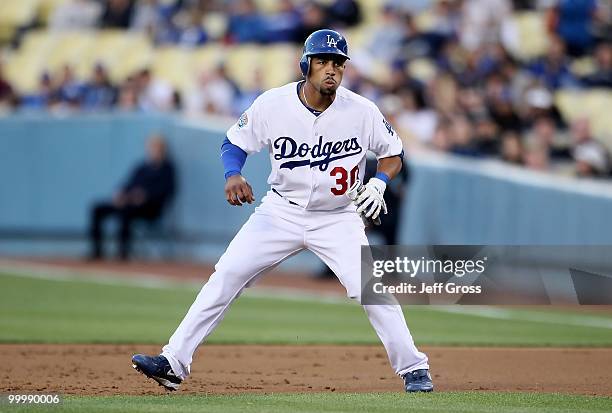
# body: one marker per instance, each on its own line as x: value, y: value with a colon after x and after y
x: 275, y: 231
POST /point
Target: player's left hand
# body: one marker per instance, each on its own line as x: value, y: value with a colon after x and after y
x: 370, y: 201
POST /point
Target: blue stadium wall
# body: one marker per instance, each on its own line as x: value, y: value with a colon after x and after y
x: 53, y: 168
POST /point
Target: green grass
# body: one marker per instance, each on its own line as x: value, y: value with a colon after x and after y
x: 83, y: 311
x: 87, y: 311
x: 337, y: 402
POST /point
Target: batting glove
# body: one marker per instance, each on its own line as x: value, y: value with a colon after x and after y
x: 370, y: 201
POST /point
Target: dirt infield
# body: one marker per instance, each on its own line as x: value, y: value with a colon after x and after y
x: 106, y: 369
x: 219, y: 369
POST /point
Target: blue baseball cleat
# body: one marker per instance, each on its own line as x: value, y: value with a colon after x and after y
x: 158, y: 368
x: 417, y: 381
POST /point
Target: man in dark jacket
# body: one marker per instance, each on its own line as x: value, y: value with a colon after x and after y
x: 145, y: 195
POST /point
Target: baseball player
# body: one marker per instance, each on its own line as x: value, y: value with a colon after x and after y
x: 317, y: 133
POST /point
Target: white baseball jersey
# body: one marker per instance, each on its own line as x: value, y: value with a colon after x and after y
x: 315, y: 159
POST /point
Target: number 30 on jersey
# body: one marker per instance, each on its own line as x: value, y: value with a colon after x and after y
x: 342, y: 179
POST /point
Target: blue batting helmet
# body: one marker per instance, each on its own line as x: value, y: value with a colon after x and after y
x: 322, y: 42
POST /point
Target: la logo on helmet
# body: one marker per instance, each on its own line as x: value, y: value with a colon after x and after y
x: 331, y: 42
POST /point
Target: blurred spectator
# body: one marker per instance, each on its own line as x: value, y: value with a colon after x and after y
x: 192, y: 34
x: 344, y: 13
x: 8, y: 97
x: 512, y: 148
x: 471, y: 102
x: 411, y: 7
x: 461, y: 138
x: 573, y: 21
x: 485, y: 22
x: 544, y: 131
x: 446, y: 18
x: 69, y: 91
x: 539, y: 102
x: 486, y: 135
x: 147, y: 14
x: 443, y: 92
x: 591, y: 161
x: 117, y: 14
x: 391, y: 105
x: 522, y: 5
x: 414, y: 117
x: 99, y: 93
x: 536, y: 156
x: 75, y: 15
x: 284, y: 24
x: 154, y: 95
x: 314, y: 18
x: 400, y: 81
x: 517, y: 80
x: 144, y: 196
x: 602, y: 76
x: 602, y: 29
x: 553, y: 68
x: 388, y: 30
x: 128, y: 95
x: 451, y: 58
x: 245, y: 24
x: 441, y: 140
x: 246, y: 97
x: 150, y: 18
x: 43, y: 97
x: 591, y: 156
x: 415, y: 44
x: 215, y: 94
x: 498, y: 97
x: 471, y: 72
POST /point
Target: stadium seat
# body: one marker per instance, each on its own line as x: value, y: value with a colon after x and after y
x: 215, y: 24
x: 36, y: 41
x: 47, y: 7
x: 370, y: 9
x: 16, y: 13
x: 208, y: 57
x: 137, y: 54
x: 425, y: 20
x: 276, y: 65
x: 26, y: 65
x: 122, y: 53
x: 583, y: 66
x: 358, y: 37
x: 23, y: 71
x: 594, y: 104
x: 423, y: 69
x: 533, y: 37
x: 267, y: 6
x: 72, y: 48
x: 241, y: 62
x: 175, y: 65
x: 110, y: 50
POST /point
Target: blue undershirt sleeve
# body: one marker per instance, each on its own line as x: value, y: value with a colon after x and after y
x: 233, y: 158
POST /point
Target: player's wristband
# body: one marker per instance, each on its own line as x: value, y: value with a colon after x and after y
x: 231, y: 173
x: 233, y: 158
x: 383, y: 177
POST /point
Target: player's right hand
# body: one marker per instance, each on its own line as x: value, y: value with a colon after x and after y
x: 238, y: 190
